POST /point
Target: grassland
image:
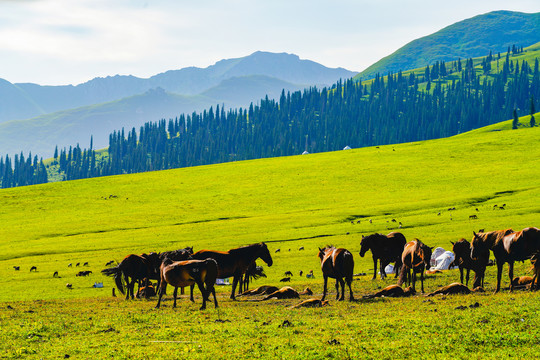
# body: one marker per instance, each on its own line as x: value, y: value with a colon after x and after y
x: 287, y: 202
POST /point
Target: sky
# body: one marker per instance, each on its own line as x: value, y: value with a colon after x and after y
x: 59, y: 42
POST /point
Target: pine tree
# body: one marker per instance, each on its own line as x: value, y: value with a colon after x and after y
x: 532, y: 122
x: 515, y: 122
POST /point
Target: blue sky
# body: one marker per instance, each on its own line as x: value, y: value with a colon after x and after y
x: 52, y: 42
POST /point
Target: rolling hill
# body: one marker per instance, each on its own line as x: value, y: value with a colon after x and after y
x: 474, y: 37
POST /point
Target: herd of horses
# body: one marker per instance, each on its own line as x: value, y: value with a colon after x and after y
x: 182, y: 268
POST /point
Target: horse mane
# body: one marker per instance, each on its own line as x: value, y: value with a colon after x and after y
x: 242, y: 249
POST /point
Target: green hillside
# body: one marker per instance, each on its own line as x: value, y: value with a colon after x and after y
x: 474, y: 37
x: 287, y: 202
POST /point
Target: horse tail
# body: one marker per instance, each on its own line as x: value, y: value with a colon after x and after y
x: 402, y: 274
x: 116, y: 272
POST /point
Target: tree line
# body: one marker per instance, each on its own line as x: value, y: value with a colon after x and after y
x: 445, y: 100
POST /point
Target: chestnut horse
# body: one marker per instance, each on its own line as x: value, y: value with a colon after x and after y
x: 462, y: 252
x: 385, y: 248
x: 187, y: 273
x: 416, y: 256
x: 235, y: 261
x: 337, y: 264
x: 495, y: 241
x: 134, y: 268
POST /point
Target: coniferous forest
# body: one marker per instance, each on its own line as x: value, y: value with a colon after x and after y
x: 444, y: 100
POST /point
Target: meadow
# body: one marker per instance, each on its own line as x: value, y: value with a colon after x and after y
x: 291, y: 202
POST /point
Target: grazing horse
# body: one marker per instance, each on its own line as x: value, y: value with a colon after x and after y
x: 416, y: 256
x: 235, y: 262
x: 33, y: 268
x: 133, y: 268
x: 187, y: 273
x: 462, y: 251
x: 337, y: 264
x: 507, y: 246
x: 385, y: 248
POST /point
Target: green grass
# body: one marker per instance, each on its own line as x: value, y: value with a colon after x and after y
x: 287, y: 202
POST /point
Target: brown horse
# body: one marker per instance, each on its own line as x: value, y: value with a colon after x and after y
x: 337, y: 264
x: 133, y: 268
x: 453, y: 288
x: 235, y: 261
x: 385, y: 248
x: 392, y: 291
x: 416, y: 256
x: 462, y: 252
x: 507, y: 246
x: 187, y: 273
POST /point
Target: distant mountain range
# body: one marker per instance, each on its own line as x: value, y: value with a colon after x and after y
x: 474, y: 37
x: 35, y: 118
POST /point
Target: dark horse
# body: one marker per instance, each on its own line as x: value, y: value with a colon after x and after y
x: 188, y: 273
x: 462, y: 252
x: 510, y: 247
x: 416, y: 257
x: 134, y: 268
x: 337, y: 264
x: 386, y: 248
x: 235, y: 261
x: 253, y: 272
x: 492, y: 240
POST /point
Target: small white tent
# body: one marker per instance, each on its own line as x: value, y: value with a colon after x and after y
x: 347, y: 147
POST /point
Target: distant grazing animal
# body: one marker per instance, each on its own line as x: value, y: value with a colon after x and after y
x: 300, y: 248
x: 33, y: 268
x: 462, y: 252
x: 77, y: 264
x: 286, y: 292
x: 337, y: 264
x: 133, y: 268
x: 84, y: 273
x: 85, y: 264
x: 300, y: 273
x: 288, y: 273
x: 416, y: 256
x: 311, y: 303
x: 481, y: 230
x: 385, y: 249
x: 69, y: 265
x: 306, y: 291
x: 55, y: 274
x: 474, y: 216
x: 69, y: 286
x: 277, y: 250
x: 310, y: 275
x: 261, y: 290
x: 392, y: 291
x: 285, y: 279
x: 253, y: 272
x: 454, y: 288
x: 186, y: 273
x: 507, y: 246
x: 109, y: 263
x: 17, y: 268
x: 235, y: 261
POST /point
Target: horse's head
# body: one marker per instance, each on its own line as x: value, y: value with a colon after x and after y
x: 365, y: 245
x: 428, y: 251
x: 324, y: 250
x: 264, y: 254
x: 478, y: 246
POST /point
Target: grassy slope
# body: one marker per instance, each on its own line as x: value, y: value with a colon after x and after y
x: 280, y: 201
x: 473, y: 37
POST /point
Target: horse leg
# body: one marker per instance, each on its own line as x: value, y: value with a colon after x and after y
x: 461, y: 274
x: 499, y: 275
x: 342, y: 283
x: 203, y: 292
x: 467, y: 277
x: 383, y: 265
x: 337, y: 289
x: 234, y: 283
x: 159, y: 298
x: 511, y: 274
x: 191, y: 293
x: 422, y: 280
x: 397, y: 267
x: 175, y: 293
x: 324, y: 287
x: 413, y: 279
x: 349, y: 282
